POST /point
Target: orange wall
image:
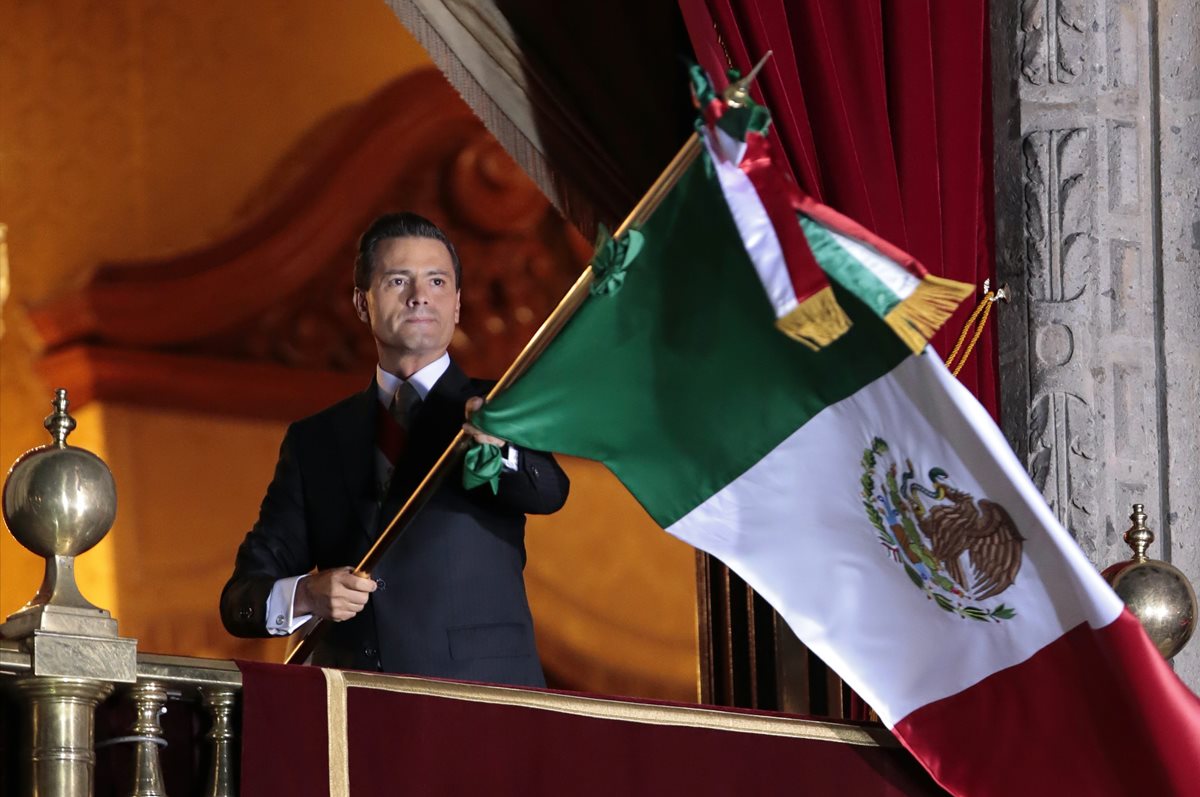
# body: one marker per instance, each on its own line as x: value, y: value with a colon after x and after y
x: 130, y: 128
x: 135, y: 128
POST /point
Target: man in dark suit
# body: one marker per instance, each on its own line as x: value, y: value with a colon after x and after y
x: 448, y: 599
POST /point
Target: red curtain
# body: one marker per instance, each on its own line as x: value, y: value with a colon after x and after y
x: 882, y: 110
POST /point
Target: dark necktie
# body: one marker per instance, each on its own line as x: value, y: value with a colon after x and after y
x: 395, y: 420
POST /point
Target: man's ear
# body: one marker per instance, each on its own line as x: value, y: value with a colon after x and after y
x: 457, y: 304
x: 360, y: 306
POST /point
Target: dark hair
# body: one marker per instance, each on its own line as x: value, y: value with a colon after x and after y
x: 397, y: 225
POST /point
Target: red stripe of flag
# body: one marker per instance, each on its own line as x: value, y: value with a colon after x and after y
x: 850, y: 228
x: 1096, y: 712
x: 779, y: 197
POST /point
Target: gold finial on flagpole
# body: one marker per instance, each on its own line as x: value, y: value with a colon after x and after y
x: 737, y: 93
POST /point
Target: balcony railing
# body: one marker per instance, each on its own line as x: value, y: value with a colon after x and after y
x: 49, y: 746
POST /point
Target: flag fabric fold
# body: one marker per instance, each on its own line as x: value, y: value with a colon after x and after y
x: 763, y: 201
x: 859, y: 488
x: 765, y: 205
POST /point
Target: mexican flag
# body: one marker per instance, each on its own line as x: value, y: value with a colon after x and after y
x: 830, y: 459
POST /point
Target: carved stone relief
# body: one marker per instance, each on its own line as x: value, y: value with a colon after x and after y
x: 1058, y: 225
x: 1058, y: 214
x: 1053, y: 40
x: 1126, y: 284
x: 1062, y: 459
x: 1123, y: 42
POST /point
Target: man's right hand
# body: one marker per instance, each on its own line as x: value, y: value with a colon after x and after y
x: 335, y: 594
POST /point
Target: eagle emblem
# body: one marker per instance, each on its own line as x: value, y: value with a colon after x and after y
x: 960, y: 551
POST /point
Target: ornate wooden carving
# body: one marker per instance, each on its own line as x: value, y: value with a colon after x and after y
x: 260, y: 324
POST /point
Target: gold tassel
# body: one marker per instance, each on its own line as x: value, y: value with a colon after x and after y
x: 918, y: 317
x: 818, y: 320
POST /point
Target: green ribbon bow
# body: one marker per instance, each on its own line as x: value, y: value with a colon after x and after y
x: 612, y: 260
x: 483, y: 465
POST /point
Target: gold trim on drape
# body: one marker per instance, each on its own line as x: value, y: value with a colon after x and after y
x: 339, y: 749
x: 600, y: 708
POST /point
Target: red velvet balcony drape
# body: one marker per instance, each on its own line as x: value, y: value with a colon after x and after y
x: 882, y: 110
x: 304, y: 735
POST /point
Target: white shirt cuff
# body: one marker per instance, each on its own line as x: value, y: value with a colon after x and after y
x: 512, y: 460
x: 280, y: 619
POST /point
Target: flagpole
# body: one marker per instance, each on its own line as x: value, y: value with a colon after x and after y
x: 532, y: 351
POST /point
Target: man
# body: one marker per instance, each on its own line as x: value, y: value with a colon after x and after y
x: 448, y: 598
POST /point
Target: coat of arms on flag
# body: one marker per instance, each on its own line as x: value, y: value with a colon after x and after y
x: 931, y: 542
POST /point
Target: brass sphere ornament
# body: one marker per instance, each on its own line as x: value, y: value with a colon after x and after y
x: 59, y: 501
x: 1157, y: 593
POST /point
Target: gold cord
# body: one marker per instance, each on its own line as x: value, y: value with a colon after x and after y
x: 981, y: 313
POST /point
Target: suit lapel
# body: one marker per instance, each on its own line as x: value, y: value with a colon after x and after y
x: 355, y: 431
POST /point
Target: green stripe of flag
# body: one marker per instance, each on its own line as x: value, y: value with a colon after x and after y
x: 844, y: 269
x: 679, y: 381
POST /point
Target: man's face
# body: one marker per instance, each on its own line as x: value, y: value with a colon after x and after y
x: 412, y: 303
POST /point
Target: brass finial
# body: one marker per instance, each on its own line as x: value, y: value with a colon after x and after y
x: 59, y: 501
x: 59, y: 423
x: 737, y: 93
x: 1157, y: 593
x: 1139, y: 537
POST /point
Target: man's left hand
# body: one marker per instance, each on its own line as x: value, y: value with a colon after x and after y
x: 476, y: 434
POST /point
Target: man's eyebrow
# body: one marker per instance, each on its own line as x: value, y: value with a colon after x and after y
x: 409, y: 271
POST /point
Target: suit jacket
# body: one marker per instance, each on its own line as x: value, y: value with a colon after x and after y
x: 451, y: 597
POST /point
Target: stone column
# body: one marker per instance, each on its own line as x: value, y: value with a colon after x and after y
x: 1096, y: 120
x: 1178, y: 56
